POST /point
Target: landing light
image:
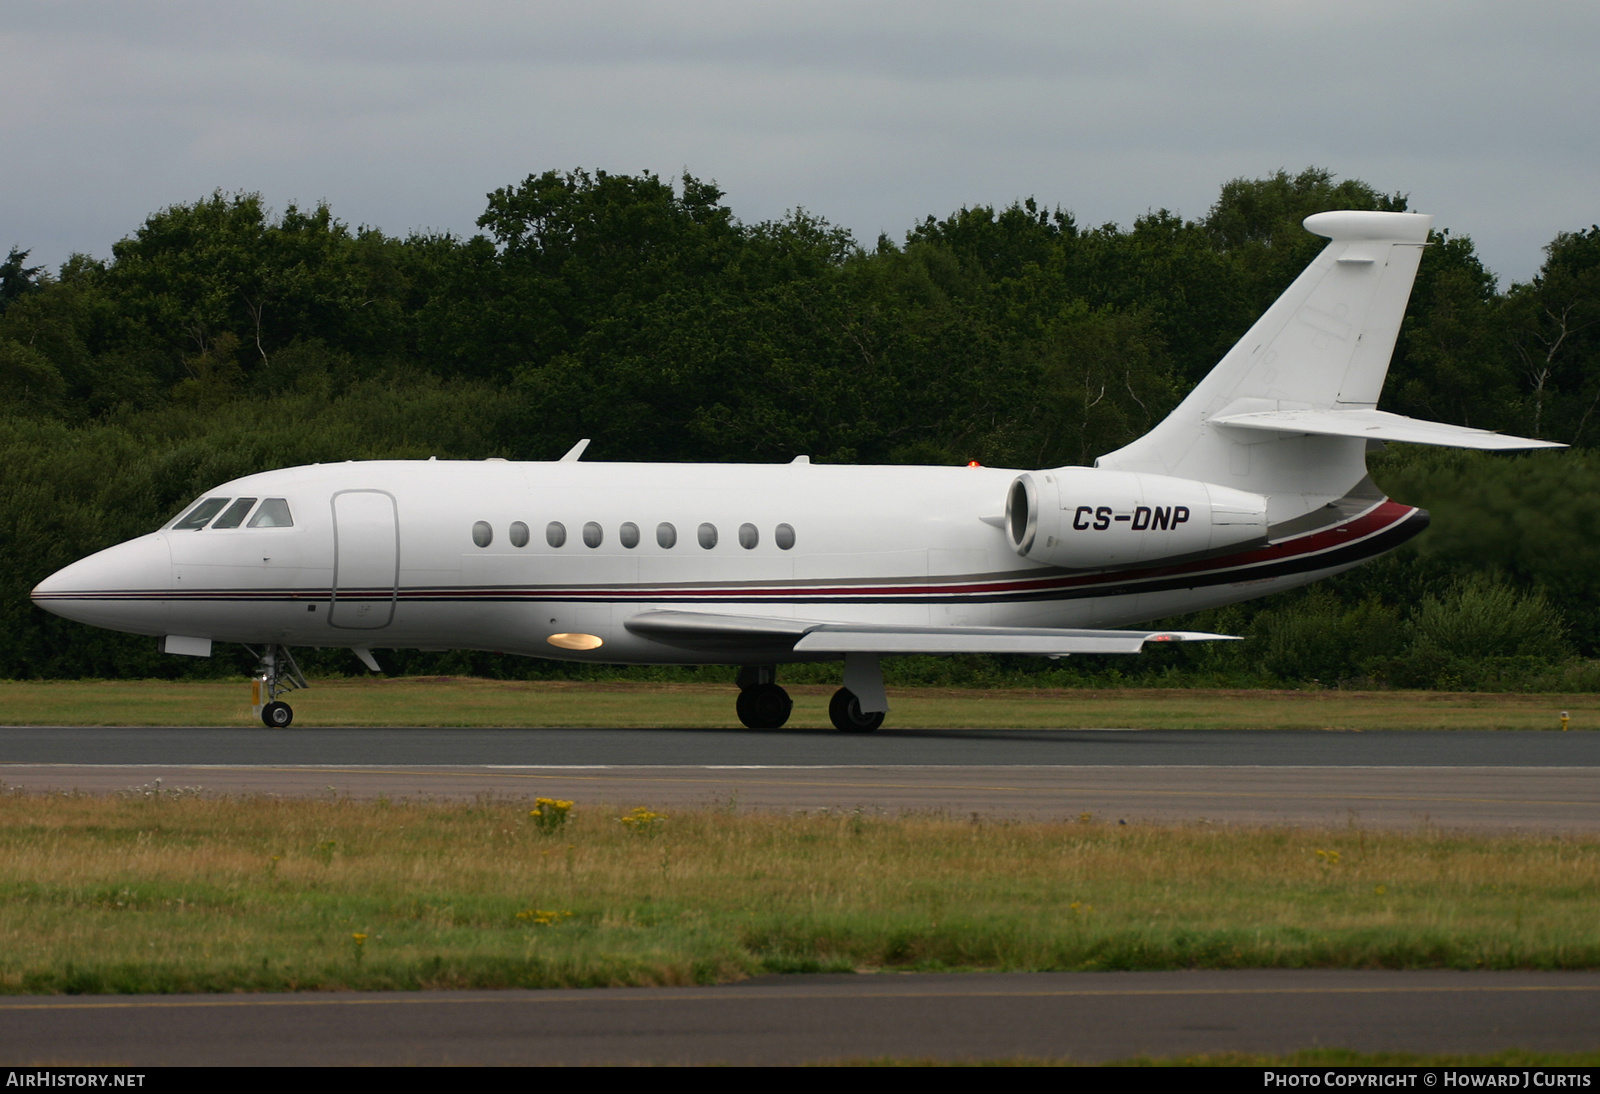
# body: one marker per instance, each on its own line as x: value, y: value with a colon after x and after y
x: 576, y: 641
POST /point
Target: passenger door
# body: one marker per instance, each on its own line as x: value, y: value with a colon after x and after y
x: 366, y: 559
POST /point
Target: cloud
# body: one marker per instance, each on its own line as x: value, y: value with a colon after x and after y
x: 872, y: 114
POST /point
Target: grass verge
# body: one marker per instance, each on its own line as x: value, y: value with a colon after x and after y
x: 156, y: 892
x: 446, y: 701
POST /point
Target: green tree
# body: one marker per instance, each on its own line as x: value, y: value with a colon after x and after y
x: 992, y: 247
x: 576, y: 250
x: 1104, y: 381
x: 29, y: 383
x: 1451, y: 362
x: 1552, y: 323
x: 17, y: 279
x: 1533, y: 520
x: 194, y: 273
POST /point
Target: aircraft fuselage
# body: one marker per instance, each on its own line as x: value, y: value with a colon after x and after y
x: 518, y: 557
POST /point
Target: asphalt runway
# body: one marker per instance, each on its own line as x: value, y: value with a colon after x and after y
x: 941, y: 747
x: 1085, y: 1017
x: 1485, y: 781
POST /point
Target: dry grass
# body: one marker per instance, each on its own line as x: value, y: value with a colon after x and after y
x: 470, y: 702
x: 180, y: 893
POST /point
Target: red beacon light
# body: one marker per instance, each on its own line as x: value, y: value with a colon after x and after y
x: 974, y: 463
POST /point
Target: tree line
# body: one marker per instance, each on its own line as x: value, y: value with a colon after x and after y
x: 221, y: 338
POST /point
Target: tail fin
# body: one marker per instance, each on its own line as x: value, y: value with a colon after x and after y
x: 1324, y: 345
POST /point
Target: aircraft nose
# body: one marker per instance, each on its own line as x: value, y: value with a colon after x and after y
x: 107, y: 588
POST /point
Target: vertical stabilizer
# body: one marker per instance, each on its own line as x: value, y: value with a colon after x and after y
x: 1324, y: 344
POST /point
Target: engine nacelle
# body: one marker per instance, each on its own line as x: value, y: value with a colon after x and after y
x: 1081, y: 518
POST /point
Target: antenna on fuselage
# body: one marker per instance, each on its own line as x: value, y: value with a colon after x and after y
x: 574, y: 452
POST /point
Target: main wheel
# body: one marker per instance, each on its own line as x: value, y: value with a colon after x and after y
x: 765, y: 706
x: 277, y: 715
x: 848, y: 717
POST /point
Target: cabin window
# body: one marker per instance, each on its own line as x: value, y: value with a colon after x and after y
x: 628, y: 535
x: 592, y: 534
x: 519, y: 534
x: 234, y: 515
x: 274, y: 513
x: 200, y: 515
x: 666, y: 535
x: 708, y: 536
x: 555, y: 533
x: 482, y: 534
x: 748, y: 536
x: 784, y: 537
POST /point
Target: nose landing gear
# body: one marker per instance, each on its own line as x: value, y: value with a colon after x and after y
x: 275, y: 672
x: 762, y: 703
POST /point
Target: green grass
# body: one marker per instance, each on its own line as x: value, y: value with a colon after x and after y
x: 164, y: 893
x: 474, y: 702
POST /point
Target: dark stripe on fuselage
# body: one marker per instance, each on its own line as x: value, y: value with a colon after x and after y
x: 1379, y: 529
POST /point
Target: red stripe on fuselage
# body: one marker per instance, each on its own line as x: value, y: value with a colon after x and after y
x: 1382, y: 517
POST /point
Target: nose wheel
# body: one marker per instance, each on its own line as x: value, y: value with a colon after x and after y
x: 276, y: 673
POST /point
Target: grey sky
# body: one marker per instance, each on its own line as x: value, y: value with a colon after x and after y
x: 872, y: 114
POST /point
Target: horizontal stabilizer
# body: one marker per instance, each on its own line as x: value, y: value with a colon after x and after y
x: 1377, y: 425
x: 803, y: 636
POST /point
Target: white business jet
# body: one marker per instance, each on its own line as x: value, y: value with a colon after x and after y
x: 1256, y: 483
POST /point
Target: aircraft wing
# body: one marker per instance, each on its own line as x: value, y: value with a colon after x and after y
x: 756, y: 633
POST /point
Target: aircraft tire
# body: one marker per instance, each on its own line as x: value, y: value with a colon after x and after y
x: 844, y: 709
x: 277, y: 715
x: 765, y: 706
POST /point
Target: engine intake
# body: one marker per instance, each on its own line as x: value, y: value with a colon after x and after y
x: 1082, y: 518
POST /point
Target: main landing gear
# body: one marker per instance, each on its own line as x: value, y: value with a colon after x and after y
x: 858, y: 707
x: 844, y: 709
x: 762, y: 703
x: 275, y: 672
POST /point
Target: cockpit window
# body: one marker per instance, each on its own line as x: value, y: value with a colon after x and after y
x: 274, y: 513
x: 234, y: 515
x: 200, y: 515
